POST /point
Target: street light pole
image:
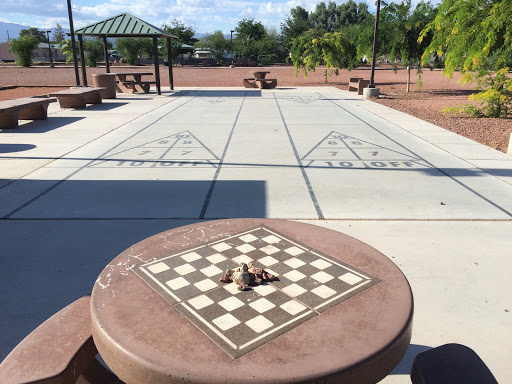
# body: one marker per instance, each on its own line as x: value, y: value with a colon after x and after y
x: 232, y: 47
x: 375, y: 33
x: 49, y: 48
x: 73, y: 44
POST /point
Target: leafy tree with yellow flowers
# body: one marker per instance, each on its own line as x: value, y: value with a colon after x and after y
x: 312, y: 48
x: 475, y: 36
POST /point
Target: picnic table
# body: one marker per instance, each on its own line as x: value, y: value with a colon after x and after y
x: 260, y: 74
x: 135, y: 84
x: 340, y: 312
x: 260, y: 81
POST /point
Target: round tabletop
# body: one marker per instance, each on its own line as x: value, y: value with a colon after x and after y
x: 260, y: 74
x: 340, y: 310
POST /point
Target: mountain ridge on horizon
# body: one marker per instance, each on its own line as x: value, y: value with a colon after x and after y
x: 15, y: 29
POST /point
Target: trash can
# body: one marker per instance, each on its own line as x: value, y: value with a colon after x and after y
x: 105, y: 80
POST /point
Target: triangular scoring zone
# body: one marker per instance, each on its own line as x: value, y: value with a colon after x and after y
x: 182, y: 149
x: 344, y: 151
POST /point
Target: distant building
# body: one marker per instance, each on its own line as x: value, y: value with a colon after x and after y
x: 5, y: 55
x: 202, y: 54
x: 42, y: 53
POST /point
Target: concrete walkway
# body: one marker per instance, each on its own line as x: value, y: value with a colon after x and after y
x: 82, y: 186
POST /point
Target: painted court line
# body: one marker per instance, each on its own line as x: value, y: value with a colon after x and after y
x: 426, y: 161
x: 301, y: 166
x: 219, y: 166
x: 92, y: 161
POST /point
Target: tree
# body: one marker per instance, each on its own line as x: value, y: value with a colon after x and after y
x: 248, y: 33
x: 58, y: 35
x: 23, y: 49
x: 93, y: 50
x: 476, y: 36
x: 185, y: 36
x: 294, y: 25
x: 217, y: 44
x: 134, y: 49
x: 399, y: 30
x: 323, y: 19
x: 350, y: 13
x: 39, y: 35
x: 311, y: 49
x: 270, y: 46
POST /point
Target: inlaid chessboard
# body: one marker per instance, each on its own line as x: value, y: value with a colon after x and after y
x: 239, y: 321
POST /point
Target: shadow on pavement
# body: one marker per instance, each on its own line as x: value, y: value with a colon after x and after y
x: 135, y: 199
x: 9, y: 148
x: 48, y: 264
x: 405, y: 366
x: 70, y: 230
x: 43, y: 126
x: 105, y: 106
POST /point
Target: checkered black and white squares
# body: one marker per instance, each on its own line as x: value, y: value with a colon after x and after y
x: 246, y: 320
x: 239, y: 321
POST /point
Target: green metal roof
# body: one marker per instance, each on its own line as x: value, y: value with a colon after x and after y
x: 123, y: 25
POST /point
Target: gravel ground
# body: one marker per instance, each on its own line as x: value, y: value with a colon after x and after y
x: 437, y: 92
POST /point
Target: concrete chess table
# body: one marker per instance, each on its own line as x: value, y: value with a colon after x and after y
x: 340, y: 312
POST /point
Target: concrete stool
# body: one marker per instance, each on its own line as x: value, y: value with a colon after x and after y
x: 105, y: 80
x: 60, y: 350
x: 450, y: 364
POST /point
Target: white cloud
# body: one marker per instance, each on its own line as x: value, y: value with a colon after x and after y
x: 248, y: 12
x: 51, y: 22
x: 201, y: 15
x: 194, y: 3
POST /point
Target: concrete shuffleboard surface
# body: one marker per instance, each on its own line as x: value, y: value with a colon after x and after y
x: 82, y: 186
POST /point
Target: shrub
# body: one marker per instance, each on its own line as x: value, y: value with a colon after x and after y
x: 134, y: 49
x: 93, y: 50
x: 23, y: 49
x: 495, y: 98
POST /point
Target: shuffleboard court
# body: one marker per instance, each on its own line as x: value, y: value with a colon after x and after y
x: 291, y: 153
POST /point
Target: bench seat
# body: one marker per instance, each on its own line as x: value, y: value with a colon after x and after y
x: 260, y: 83
x: 146, y: 85
x: 450, y: 364
x: 250, y: 83
x: 266, y: 83
x: 58, y: 351
x: 131, y: 86
x: 25, y: 108
x: 361, y: 85
x: 353, y: 83
x: 357, y: 84
x: 78, y: 97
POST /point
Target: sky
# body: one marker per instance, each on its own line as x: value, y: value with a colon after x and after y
x: 204, y: 16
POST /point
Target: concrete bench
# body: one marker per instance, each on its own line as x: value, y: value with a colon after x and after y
x: 353, y: 83
x: 146, y: 85
x: 131, y: 86
x: 266, y: 83
x: 357, y: 84
x: 60, y: 350
x: 26, y: 108
x: 362, y: 84
x: 78, y: 97
x: 250, y: 83
x: 260, y: 83
x: 450, y: 364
